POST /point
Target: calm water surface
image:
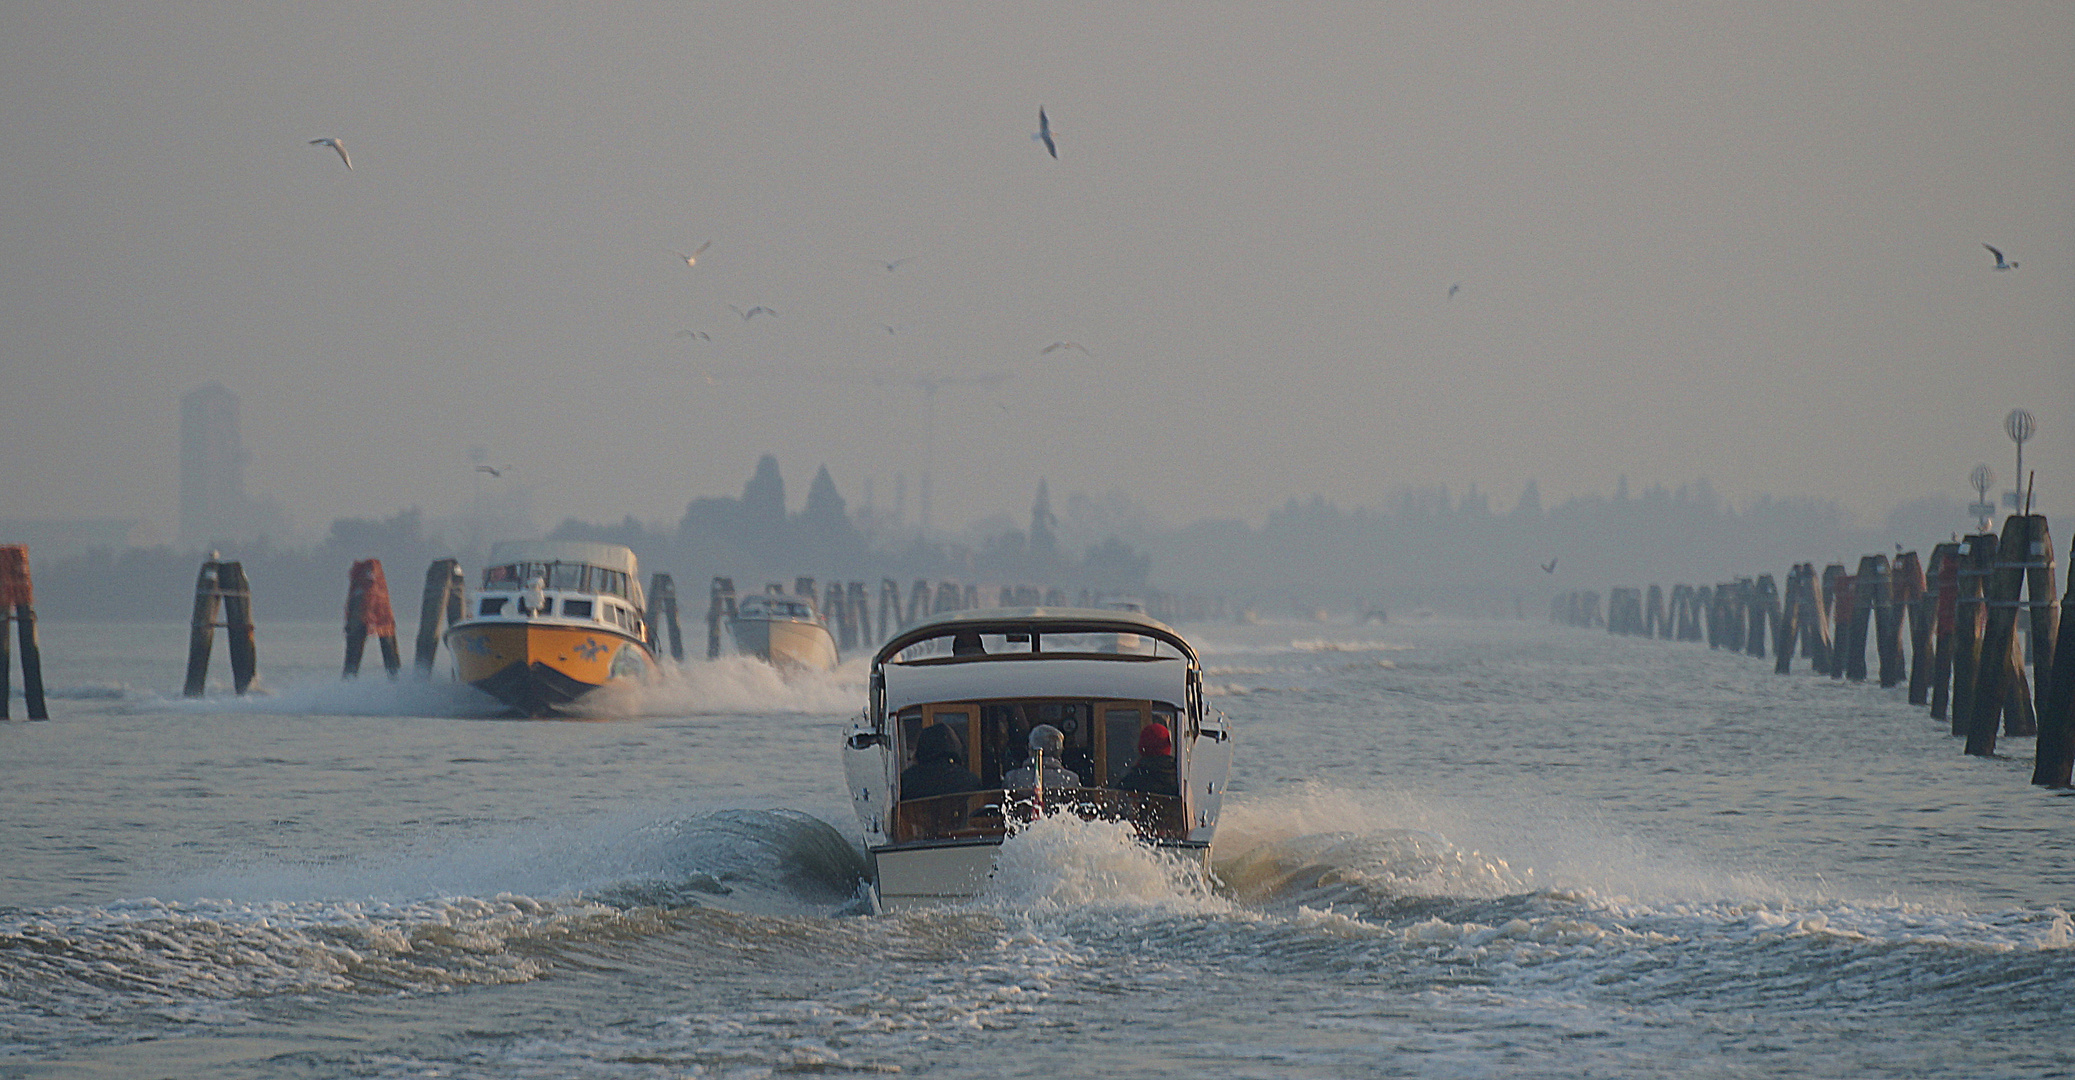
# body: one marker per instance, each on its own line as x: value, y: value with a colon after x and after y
x: 1453, y: 849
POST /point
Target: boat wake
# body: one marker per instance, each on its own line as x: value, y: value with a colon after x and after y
x: 1062, y: 863
x: 731, y: 685
x: 480, y: 912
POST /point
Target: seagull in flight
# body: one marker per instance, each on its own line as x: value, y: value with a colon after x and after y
x: 700, y: 334
x: 894, y: 265
x: 1549, y: 567
x: 2001, y: 262
x: 1044, y: 134
x: 494, y: 470
x: 753, y: 312
x: 1453, y: 289
x: 1058, y: 345
x: 693, y: 258
x: 336, y: 145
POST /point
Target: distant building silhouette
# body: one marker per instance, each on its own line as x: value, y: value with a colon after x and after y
x: 213, y: 504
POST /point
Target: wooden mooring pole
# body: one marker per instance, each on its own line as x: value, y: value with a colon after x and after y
x: 1906, y: 586
x: 221, y: 587
x: 662, y: 616
x: 2056, y: 746
x: 861, y: 614
x: 720, y: 606
x: 446, y: 593
x: 1975, y: 554
x: 2000, y: 691
x: 1944, y: 582
x: 368, y: 613
x: 18, y: 602
x: 890, y: 619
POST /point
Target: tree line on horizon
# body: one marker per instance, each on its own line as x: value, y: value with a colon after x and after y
x: 1427, y: 547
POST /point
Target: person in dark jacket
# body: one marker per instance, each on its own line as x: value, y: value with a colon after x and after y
x: 939, y: 767
x: 1154, y: 773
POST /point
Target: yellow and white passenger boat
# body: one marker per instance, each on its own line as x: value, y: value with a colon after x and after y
x: 554, y: 620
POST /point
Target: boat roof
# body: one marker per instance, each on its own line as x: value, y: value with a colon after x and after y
x: 589, y: 552
x: 1041, y: 620
x: 1067, y: 675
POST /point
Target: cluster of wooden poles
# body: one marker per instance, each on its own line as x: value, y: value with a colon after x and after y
x: 1966, y: 658
x: 849, y: 613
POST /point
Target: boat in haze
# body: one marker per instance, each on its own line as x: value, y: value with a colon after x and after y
x: 1116, y: 686
x: 787, y: 632
x: 553, y: 621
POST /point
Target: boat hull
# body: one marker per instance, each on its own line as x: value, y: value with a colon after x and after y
x: 785, y: 643
x: 914, y: 876
x: 543, y: 669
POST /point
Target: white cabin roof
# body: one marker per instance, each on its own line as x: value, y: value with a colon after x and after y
x: 1061, y: 620
x: 589, y: 552
x: 1024, y: 676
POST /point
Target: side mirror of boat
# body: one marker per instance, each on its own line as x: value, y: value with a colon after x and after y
x: 860, y: 740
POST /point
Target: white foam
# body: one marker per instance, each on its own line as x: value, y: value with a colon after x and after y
x: 731, y: 685
x: 734, y: 685
x: 1061, y: 862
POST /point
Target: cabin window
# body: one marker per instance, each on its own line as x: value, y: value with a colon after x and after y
x: 1120, y: 725
x: 569, y: 576
x: 492, y: 605
x: 500, y: 577
x: 577, y: 609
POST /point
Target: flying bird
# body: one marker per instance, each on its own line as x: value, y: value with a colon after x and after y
x: 493, y: 470
x: 1549, y: 567
x: 1453, y: 289
x: 1044, y: 134
x: 1058, y: 345
x: 700, y: 334
x: 894, y: 265
x: 693, y: 258
x: 2001, y: 262
x: 753, y: 312
x: 335, y: 145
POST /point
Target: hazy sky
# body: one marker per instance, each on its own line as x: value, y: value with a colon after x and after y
x: 1738, y: 241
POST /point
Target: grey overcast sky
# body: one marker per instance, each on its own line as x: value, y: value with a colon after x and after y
x: 1740, y: 241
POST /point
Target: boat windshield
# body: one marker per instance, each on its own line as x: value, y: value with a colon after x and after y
x: 969, y: 646
x: 1102, y: 747
x: 773, y: 607
x: 561, y: 576
x: 1102, y: 736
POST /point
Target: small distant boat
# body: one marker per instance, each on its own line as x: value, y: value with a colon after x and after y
x: 554, y: 620
x: 1117, y: 697
x: 788, y: 632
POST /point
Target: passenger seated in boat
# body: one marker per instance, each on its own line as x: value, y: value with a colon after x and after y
x: 1154, y: 772
x: 939, y: 767
x: 967, y: 643
x: 1046, y: 745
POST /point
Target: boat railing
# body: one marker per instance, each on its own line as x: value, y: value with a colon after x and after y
x: 980, y: 815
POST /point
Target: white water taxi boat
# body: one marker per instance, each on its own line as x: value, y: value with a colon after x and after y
x: 787, y: 632
x: 554, y: 620
x: 1117, y: 686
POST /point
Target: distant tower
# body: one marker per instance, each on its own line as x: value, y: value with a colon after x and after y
x: 212, y: 465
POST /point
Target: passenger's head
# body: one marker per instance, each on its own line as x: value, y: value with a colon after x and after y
x: 1046, y: 739
x: 1154, y: 740
x: 967, y: 643
x: 939, y: 743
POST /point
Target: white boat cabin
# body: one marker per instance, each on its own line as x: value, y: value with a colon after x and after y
x: 1101, y: 678
x: 563, y: 581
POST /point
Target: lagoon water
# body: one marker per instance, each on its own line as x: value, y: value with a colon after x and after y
x: 1453, y: 849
